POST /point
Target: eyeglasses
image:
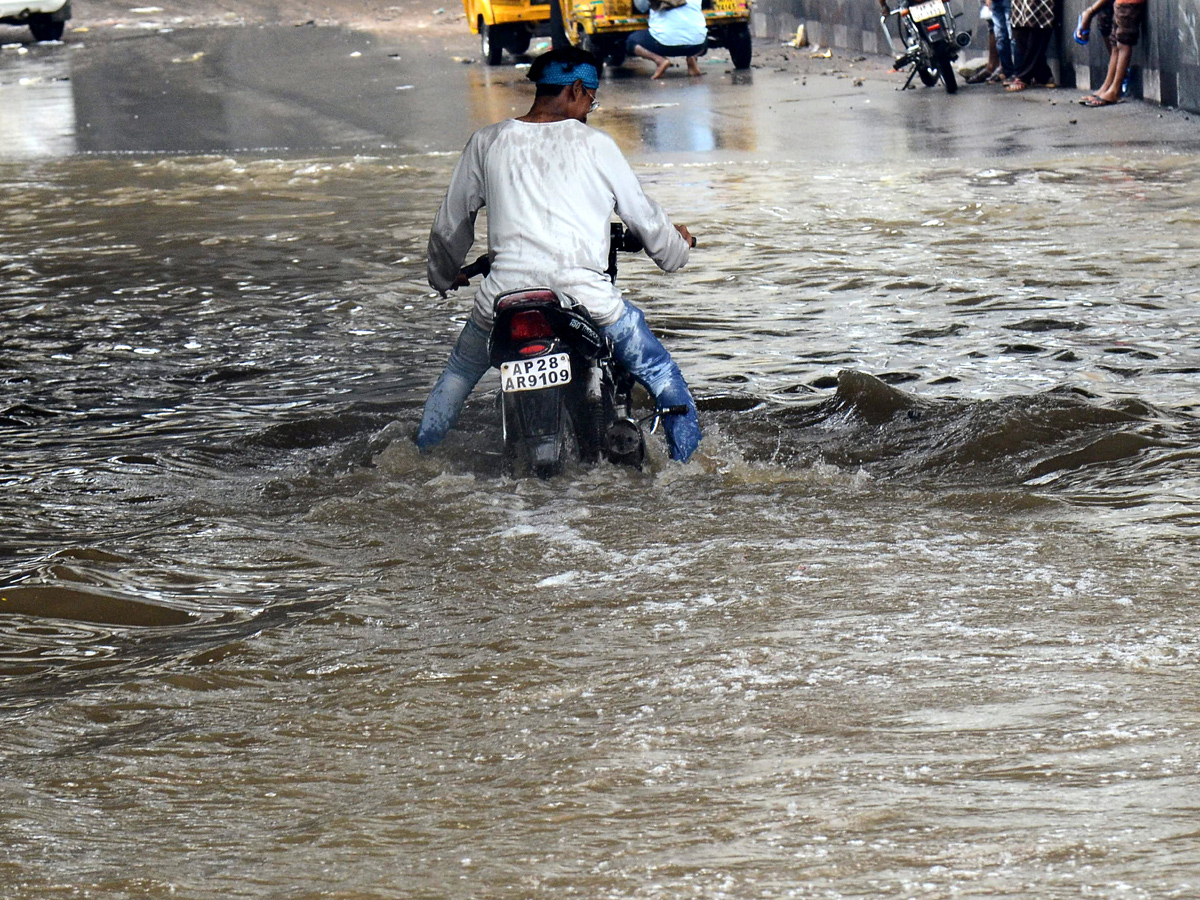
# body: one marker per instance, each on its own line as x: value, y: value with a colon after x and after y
x: 595, y: 103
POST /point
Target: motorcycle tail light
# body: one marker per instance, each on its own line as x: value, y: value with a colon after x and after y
x: 529, y: 325
x: 532, y: 349
x: 935, y: 26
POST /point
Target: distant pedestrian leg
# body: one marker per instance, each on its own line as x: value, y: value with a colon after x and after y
x: 1004, y: 41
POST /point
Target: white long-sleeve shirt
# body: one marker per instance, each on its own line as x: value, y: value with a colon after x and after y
x: 550, y: 190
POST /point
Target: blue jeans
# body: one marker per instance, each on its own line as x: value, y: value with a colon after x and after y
x: 639, y: 351
x: 634, y: 345
x: 1006, y: 48
x: 468, y: 362
x: 644, y: 39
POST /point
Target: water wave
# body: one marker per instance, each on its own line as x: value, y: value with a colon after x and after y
x: 1058, y: 438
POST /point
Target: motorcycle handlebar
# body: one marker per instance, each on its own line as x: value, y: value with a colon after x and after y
x: 626, y: 241
x: 481, y: 266
x: 680, y: 410
x: 620, y: 238
x: 663, y: 411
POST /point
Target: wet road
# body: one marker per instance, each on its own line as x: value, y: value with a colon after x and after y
x: 245, y: 89
x: 920, y: 621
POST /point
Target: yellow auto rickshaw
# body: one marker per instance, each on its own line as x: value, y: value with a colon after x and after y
x: 601, y: 26
x: 506, y: 25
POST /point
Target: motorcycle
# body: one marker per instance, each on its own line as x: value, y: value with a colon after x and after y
x: 931, y: 43
x: 563, y: 396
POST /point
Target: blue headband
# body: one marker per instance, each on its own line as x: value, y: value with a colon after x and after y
x: 557, y: 72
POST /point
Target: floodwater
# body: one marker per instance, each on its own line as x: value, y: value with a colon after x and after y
x: 921, y: 619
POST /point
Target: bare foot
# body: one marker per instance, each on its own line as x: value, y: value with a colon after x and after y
x: 693, y: 67
x: 662, y: 69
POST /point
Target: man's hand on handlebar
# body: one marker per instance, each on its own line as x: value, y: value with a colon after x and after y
x: 686, y: 235
x: 481, y: 266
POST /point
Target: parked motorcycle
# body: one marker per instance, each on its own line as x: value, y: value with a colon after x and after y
x: 563, y: 396
x: 930, y: 41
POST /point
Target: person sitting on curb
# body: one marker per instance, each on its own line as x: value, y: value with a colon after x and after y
x: 1127, y: 21
x: 677, y: 28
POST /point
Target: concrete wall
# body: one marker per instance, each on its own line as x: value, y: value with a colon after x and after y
x: 1166, y: 61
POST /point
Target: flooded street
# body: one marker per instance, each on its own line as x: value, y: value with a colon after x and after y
x: 920, y: 620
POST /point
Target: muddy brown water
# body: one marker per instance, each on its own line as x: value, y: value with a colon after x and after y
x: 920, y: 621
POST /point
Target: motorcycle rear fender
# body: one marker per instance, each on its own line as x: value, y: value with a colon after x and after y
x: 533, y: 414
x: 937, y: 35
x: 569, y: 321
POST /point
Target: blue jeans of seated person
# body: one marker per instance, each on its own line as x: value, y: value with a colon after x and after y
x: 634, y: 345
x: 644, y: 39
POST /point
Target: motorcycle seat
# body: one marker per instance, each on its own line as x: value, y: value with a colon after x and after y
x: 530, y: 295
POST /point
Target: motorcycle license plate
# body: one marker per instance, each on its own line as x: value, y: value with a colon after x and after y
x: 930, y: 10
x: 553, y: 370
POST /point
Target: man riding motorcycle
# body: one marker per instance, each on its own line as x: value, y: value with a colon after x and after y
x: 550, y: 184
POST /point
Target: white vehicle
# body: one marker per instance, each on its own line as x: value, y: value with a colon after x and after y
x: 45, y: 18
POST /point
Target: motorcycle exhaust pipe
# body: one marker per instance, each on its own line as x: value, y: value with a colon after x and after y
x: 963, y: 38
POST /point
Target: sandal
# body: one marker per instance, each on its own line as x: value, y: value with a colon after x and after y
x: 1016, y: 85
x: 1097, y: 102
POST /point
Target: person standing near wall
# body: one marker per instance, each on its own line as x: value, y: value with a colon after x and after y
x: 1032, y: 27
x: 1100, y: 13
x: 1004, y: 42
x: 1000, y: 68
x: 1127, y: 22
